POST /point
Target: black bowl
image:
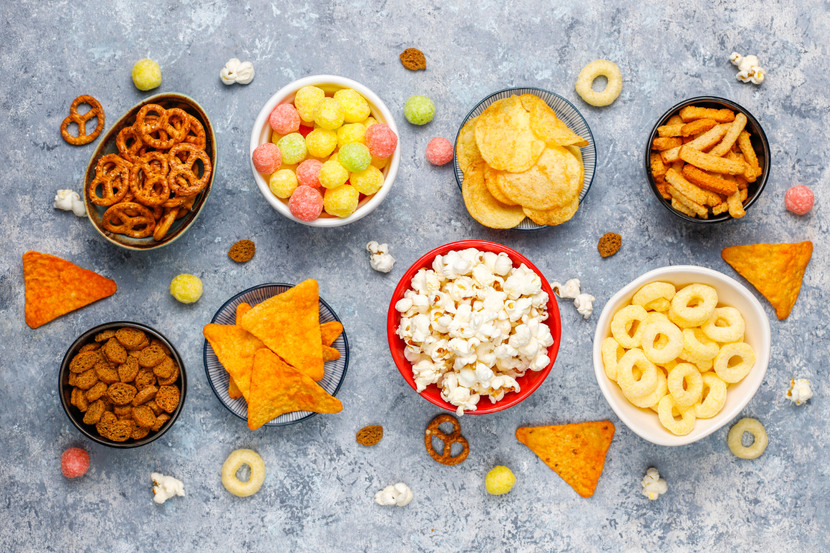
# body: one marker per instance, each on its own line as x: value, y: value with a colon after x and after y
x: 75, y: 414
x: 759, y: 143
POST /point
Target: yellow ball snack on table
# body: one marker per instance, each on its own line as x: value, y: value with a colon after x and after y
x: 186, y: 288
x: 500, y: 480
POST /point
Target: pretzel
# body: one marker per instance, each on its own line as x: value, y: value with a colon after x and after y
x: 149, y: 188
x: 95, y: 110
x: 129, y: 143
x: 166, y: 221
x: 445, y: 457
x: 183, y: 178
x: 196, y: 133
x: 112, y: 174
x: 130, y: 218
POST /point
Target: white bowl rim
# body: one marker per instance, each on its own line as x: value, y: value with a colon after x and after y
x: 262, y: 120
x: 722, y: 418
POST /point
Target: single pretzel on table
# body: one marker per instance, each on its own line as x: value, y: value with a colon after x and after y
x: 95, y: 110
x: 445, y: 457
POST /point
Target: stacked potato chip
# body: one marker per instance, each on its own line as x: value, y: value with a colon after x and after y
x: 520, y: 160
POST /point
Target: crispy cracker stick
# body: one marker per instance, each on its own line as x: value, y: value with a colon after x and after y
x: 702, y: 143
x: 690, y: 113
x: 697, y: 126
x: 658, y: 168
x: 719, y: 209
x: 708, y: 181
x: 745, y: 144
x: 743, y: 193
x: 736, y: 207
x: 686, y: 188
x: 663, y: 188
x: 735, y: 130
x: 666, y: 143
x: 670, y: 130
x: 674, y: 120
x: 677, y: 206
x: 699, y: 210
x: 670, y: 156
x: 708, y: 162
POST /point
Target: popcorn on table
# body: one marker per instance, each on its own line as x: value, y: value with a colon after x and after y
x: 398, y: 494
x: 381, y: 260
x: 584, y: 303
x: 800, y: 391
x: 69, y: 200
x: 749, y: 69
x: 236, y: 71
x: 472, y: 325
x: 653, y: 485
x: 165, y: 487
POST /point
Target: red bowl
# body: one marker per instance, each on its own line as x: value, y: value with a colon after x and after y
x: 528, y: 383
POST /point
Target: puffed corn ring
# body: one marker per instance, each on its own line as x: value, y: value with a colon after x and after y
x: 729, y: 372
x: 233, y: 463
x: 685, y: 385
x: 666, y: 351
x: 678, y: 320
x: 626, y: 326
x: 736, y: 436
x: 655, y: 296
x: 713, y: 397
x: 654, y: 317
x: 650, y: 401
x: 726, y: 325
x: 695, y: 303
x: 697, y: 347
x: 636, y: 385
x: 585, y: 80
x: 612, y: 352
x: 669, y: 366
x: 666, y: 410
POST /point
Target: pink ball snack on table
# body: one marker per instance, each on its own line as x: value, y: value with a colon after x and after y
x: 439, y: 151
x: 74, y: 462
x: 306, y: 203
x: 285, y: 119
x: 799, y: 199
x: 267, y: 158
x: 381, y: 140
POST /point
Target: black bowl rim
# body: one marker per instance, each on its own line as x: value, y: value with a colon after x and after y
x: 67, y: 358
x: 718, y: 100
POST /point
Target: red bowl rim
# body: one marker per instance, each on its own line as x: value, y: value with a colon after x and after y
x: 396, y: 345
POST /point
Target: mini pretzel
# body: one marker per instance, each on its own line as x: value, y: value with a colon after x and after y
x: 166, y: 221
x: 445, y: 457
x: 112, y: 176
x: 130, y: 218
x: 196, y: 133
x: 183, y: 178
x: 80, y: 119
x: 129, y: 143
x: 149, y: 188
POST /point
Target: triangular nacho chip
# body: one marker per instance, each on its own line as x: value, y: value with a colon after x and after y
x: 289, y: 324
x: 277, y: 388
x: 55, y: 287
x: 235, y: 348
x: 330, y: 354
x: 233, y: 390
x: 776, y: 270
x: 330, y: 331
x: 576, y: 452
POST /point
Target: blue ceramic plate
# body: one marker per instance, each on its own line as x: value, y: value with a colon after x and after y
x: 218, y: 377
x: 566, y: 112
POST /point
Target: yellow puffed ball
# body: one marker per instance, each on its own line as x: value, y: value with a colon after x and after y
x: 321, y: 142
x: 351, y: 132
x: 306, y: 101
x: 186, y: 288
x: 369, y: 121
x: 368, y: 181
x: 341, y: 201
x: 283, y: 183
x: 500, y: 480
x: 380, y: 162
x: 332, y: 174
x: 329, y: 114
x: 146, y: 74
x: 355, y: 106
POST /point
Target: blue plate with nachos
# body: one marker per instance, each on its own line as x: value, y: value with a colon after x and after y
x: 218, y: 377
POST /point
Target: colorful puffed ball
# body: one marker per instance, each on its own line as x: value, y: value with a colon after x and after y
x: 368, y: 181
x: 355, y: 106
x: 799, y: 200
x: 146, y: 74
x: 332, y: 174
x: 74, y: 462
x: 308, y: 173
x: 267, y: 158
x: 186, y: 288
x: 419, y: 110
x: 354, y: 157
x: 329, y: 114
x: 285, y: 119
x: 381, y: 140
x: 306, y: 101
x: 306, y: 203
x: 439, y: 151
x: 341, y: 201
x: 500, y: 480
x: 321, y: 142
x: 350, y: 132
x: 283, y: 183
x: 293, y: 149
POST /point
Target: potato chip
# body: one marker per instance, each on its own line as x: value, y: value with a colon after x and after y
x: 466, y: 151
x: 330, y: 331
x: 576, y: 452
x: 55, y: 287
x: 491, y: 181
x: 235, y: 348
x: 483, y: 207
x: 555, y: 216
x: 547, y: 126
x: 776, y: 270
x: 504, y: 136
x: 278, y: 388
x: 552, y: 182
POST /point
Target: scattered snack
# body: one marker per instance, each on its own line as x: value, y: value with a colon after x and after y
x: 74, y: 462
x: 800, y: 391
x: 586, y: 78
x: 419, y: 110
x: 69, y: 200
x: 749, y: 69
x: 609, y: 244
x: 736, y: 437
x: 233, y: 463
x: 468, y: 347
x: 165, y: 487
x: 799, y: 200
x: 775, y: 270
x: 95, y: 110
x: 236, y: 71
x: 584, y: 303
x: 186, y: 288
x: 242, y: 251
x: 146, y: 74
x: 445, y: 456
x: 576, y: 452
x: 379, y: 257
x: 369, y: 435
x: 399, y: 495
x: 653, y: 485
x: 439, y: 151
x: 55, y: 287
x: 499, y: 481
x: 413, y: 59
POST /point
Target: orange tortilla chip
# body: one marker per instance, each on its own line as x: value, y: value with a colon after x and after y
x: 775, y: 270
x: 330, y: 331
x: 576, y: 452
x: 235, y: 348
x: 55, y: 287
x: 278, y: 388
x: 233, y: 389
x: 330, y: 354
x: 289, y: 324
x: 241, y: 309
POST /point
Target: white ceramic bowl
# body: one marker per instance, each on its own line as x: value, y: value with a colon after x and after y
x: 644, y: 422
x: 261, y: 134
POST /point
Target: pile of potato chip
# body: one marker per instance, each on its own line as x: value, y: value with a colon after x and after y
x: 520, y: 160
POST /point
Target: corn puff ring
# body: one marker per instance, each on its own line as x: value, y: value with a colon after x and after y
x: 633, y: 385
x: 670, y: 365
x: 650, y: 401
x: 666, y: 410
x: 697, y: 347
x: 665, y: 350
x: 625, y: 321
x: 95, y: 110
x: 233, y: 463
x: 612, y: 352
x: 732, y: 373
x: 655, y: 296
x: 712, y: 398
x: 130, y: 218
x: 589, y: 73
x: 760, y: 440
x: 685, y: 385
x: 726, y: 325
x: 695, y: 303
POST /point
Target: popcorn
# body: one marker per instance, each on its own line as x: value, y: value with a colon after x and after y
x: 749, y: 69
x: 236, y: 71
x: 799, y: 391
x: 584, y: 303
x: 398, y: 494
x: 165, y: 487
x: 69, y: 200
x: 653, y: 485
x: 380, y: 259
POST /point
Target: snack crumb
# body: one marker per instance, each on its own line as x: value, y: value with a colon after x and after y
x: 609, y: 244
x: 413, y: 59
x: 242, y: 251
x: 369, y: 435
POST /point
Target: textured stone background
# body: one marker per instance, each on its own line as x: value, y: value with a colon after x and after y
x: 320, y: 484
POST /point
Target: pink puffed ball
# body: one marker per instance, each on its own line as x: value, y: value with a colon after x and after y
x: 74, y: 462
x: 439, y: 151
x: 799, y: 199
x: 381, y: 140
x: 285, y: 119
x: 306, y: 203
x: 308, y: 173
x: 267, y: 158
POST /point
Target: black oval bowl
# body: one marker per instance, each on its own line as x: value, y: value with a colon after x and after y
x: 759, y: 143
x: 75, y: 414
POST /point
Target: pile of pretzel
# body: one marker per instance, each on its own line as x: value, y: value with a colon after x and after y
x: 160, y: 168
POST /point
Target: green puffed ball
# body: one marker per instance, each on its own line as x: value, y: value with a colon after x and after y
x: 354, y: 157
x: 293, y: 149
x: 419, y: 110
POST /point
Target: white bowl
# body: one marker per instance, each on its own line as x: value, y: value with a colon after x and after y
x: 261, y: 134
x: 644, y: 422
